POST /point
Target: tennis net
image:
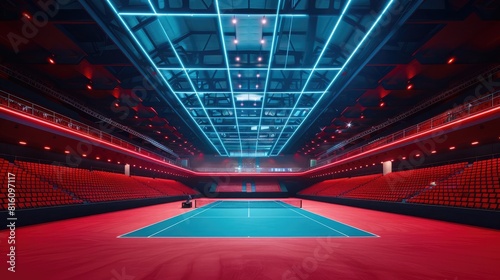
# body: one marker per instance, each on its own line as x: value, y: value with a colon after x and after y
x: 280, y: 203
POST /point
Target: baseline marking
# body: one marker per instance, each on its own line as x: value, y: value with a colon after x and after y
x: 182, y: 220
x: 376, y: 235
x: 315, y: 221
x: 252, y: 217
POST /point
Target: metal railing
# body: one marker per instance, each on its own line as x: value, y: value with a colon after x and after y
x: 474, y: 107
x: 30, y: 109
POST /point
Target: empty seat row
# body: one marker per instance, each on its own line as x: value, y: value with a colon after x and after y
x: 475, y: 185
x: 41, y: 185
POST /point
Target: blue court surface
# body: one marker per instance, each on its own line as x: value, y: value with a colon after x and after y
x: 241, y: 218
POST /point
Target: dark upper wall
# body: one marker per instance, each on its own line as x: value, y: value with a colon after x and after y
x: 289, y: 161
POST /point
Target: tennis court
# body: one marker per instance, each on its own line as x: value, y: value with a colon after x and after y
x: 247, y: 218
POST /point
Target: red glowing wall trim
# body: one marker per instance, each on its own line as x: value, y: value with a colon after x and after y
x: 285, y: 174
x: 451, y: 124
x: 92, y: 139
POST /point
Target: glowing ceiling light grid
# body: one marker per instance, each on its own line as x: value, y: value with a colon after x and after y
x: 234, y: 69
x: 139, y: 44
x: 188, y: 78
x: 144, y: 14
x: 251, y: 92
x: 271, y: 55
x: 290, y: 116
x: 349, y: 59
x: 315, y: 65
x: 225, y: 108
x: 227, y: 69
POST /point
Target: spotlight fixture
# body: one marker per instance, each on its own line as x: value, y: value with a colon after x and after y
x: 259, y: 58
x: 237, y: 58
x: 239, y: 75
x: 451, y: 60
x: 26, y: 15
x: 89, y: 86
x: 382, y: 103
x: 474, y: 143
x: 264, y: 20
x: 262, y: 41
x: 452, y: 148
x: 234, y: 21
x: 51, y: 60
x: 235, y: 41
x: 409, y: 86
x: 46, y: 148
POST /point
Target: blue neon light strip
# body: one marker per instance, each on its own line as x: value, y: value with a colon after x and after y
x: 248, y: 108
x: 250, y: 92
x: 251, y: 69
x: 314, y: 68
x: 295, y: 116
x: 187, y: 76
x: 154, y: 65
x: 347, y: 61
x: 228, y: 71
x: 273, y: 46
x: 203, y: 15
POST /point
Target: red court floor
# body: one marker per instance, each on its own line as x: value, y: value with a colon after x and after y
x: 408, y: 248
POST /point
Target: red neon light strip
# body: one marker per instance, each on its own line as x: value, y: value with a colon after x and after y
x: 42, y: 122
x: 405, y: 139
x: 289, y: 174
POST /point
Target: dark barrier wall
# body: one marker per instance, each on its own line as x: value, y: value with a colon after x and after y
x: 475, y: 217
x: 48, y: 214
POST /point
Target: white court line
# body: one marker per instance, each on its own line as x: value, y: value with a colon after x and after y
x: 183, y: 220
x: 253, y: 217
x: 376, y: 235
x: 260, y: 217
x: 314, y: 220
x: 246, y: 237
x: 119, y: 236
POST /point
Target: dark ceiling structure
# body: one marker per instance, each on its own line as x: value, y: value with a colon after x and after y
x: 250, y: 78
